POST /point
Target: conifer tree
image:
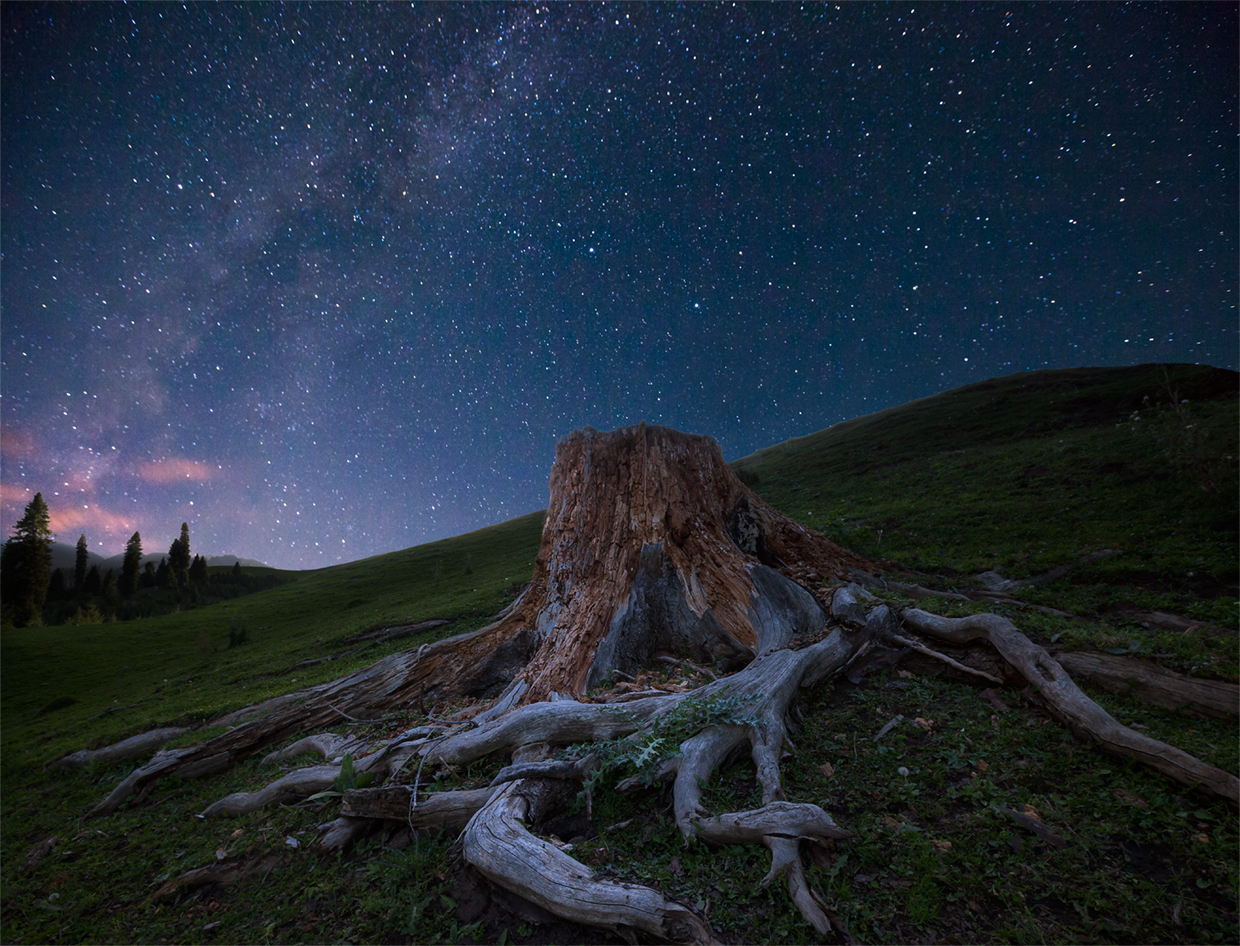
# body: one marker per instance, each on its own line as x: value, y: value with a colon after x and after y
x: 178, y: 556
x: 81, y: 564
x: 129, y: 568
x: 108, y: 590
x: 198, y: 570
x: 56, y: 590
x: 27, y: 564
x: 94, y: 581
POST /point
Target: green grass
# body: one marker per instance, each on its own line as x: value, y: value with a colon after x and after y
x: 1020, y: 474
x: 180, y: 669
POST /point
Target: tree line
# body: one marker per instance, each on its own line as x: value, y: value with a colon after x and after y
x: 32, y: 593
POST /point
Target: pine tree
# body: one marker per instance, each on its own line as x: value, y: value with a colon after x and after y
x: 198, y: 570
x: 27, y: 564
x: 178, y: 556
x: 128, y: 586
x: 81, y: 565
x: 9, y: 584
x: 110, y: 597
x: 56, y: 590
x: 94, y: 581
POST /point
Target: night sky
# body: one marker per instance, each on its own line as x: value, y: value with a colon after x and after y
x: 330, y: 280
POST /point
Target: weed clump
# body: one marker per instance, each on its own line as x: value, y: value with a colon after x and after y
x: 238, y: 631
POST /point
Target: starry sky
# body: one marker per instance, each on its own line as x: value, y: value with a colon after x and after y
x: 330, y: 280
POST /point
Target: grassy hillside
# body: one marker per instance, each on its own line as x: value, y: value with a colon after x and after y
x: 1018, y: 474
x: 1021, y: 473
x: 180, y: 669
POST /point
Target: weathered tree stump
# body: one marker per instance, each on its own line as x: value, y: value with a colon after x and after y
x: 651, y: 547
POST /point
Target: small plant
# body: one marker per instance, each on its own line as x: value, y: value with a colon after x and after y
x: 642, y: 753
x: 85, y: 616
x: 346, y: 781
x: 238, y: 631
x: 1182, y: 436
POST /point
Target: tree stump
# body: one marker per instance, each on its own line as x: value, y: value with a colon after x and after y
x: 651, y: 548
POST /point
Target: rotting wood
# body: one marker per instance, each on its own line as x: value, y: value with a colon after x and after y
x: 434, y: 810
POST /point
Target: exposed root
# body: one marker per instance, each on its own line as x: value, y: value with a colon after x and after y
x: 342, y: 832
x: 225, y: 872
x: 1066, y: 701
x: 329, y: 745
x: 561, y: 723
x: 786, y: 862
x: 777, y: 819
x: 164, y: 761
x: 130, y: 748
x: 497, y: 843
x: 438, y: 810
x: 296, y: 785
x: 1154, y: 684
x: 305, y: 782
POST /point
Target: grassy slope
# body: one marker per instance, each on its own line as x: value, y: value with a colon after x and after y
x: 1018, y: 474
x: 180, y: 665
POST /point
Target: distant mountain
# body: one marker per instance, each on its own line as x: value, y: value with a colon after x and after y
x: 64, y: 556
x: 116, y: 561
x: 214, y: 560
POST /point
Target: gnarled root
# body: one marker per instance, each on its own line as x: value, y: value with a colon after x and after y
x: 129, y: 748
x: 502, y: 849
x: 304, y: 782
x: 163, y: 762
x: 299, y: 784
x: 497, y: 843
x: 1154, y: 684
x: 1066, y: 701
x: 451, y: 810
x: 329, y: 745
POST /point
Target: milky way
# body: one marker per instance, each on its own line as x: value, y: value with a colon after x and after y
x: 330, y: 280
